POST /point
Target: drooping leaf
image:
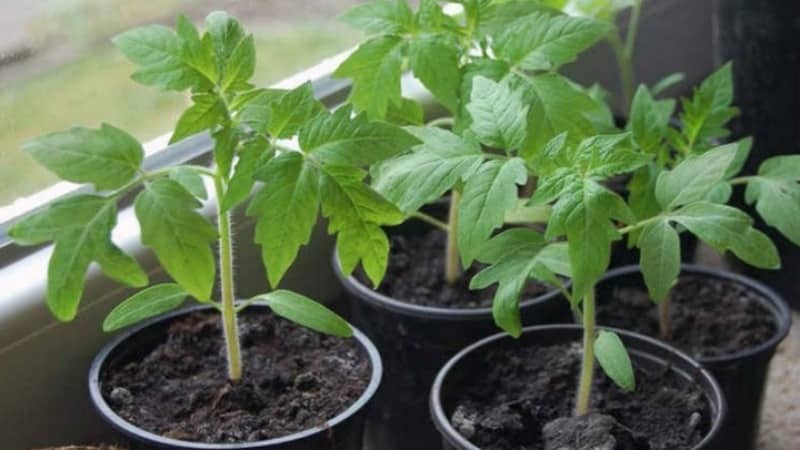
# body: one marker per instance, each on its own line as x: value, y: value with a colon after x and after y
x: 178, y: 234
x: 487, y: 195
x: 306, y: 312
x: 613, y: 358
x: 498, y: 114
x: 431, y: 169
x: 106, y: 157
x: 776, y: 194
x: 286, y: 208
x: 151, y: 302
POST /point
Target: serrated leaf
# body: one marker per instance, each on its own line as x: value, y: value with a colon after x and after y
x: 81, y: 228
x: 106, y: 157
x: 613, y: 358
x: 406, y: 112
x: 705, y: 115
x: 694, y: 177
x: 256, y: 111
x: 776, y: 194
x: 306, y: 312
x: 206, y: 112
x: 339, y: 139
x: 375, y: 69
x: 178, y: 234
x: 431, y: 17
x: 498, y: 114
x: 356, y: 212
x: 197, y: 53
x: 514, y: 253
x: 151, y: 302
x: 240, y: 66
x: 434, y: 60
x: 293, y: 110
x: 225, y: 142
x: 254, y: 154
x: 660, y: 259
x: 286, y: 208
x: 226, y: 36
x: 380, y: 17
x: 606, y: 155
x: 540, y: 41
x: 649, y: 119
x: 484, y: 67
x: 487, y: 195
x: 431, y: 169
x: 190, y: 180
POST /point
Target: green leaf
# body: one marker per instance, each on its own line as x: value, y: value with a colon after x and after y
x: 293, y: 110
x: 356, y: 212
x: 178, y: 234
x: 776, y: 193
x: 106, y: 157
x: 306, y: 312
x: 434, y: 167
x: 667, y: 82
x: 498, y: 114
x: 159, y: 53
x: 601, y: 9
x: 515, y: 253
x: 254, y: 154
x: 81, y: 228
x: 190, y: 180
x: 487, y: 195
x: 225, y: 142
x: 197, y: 53
x: 484, y: 67
x: 380, y: 17
x: 286, y: 208
x: 694, y: 177
x: 233, y: 53
x: 649, y: 119
x: 613, y: 358
x: 375, y: 69
x: 339, y: 139
x: 606, y: 155
x: 151, y: 302
x: 407, y: 112
x: 240, y: 66
x: 541, y: 41
x: 435, y: 59
x: 206, y: 112
x: 705, y: 115
x: 660, y: 258
x: 431, y: 17
x: 256, y: 111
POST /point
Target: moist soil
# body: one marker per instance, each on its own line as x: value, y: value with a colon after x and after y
x: 523, y: 398
x: 415, y: 274
x: 294, y: 379
x: 710, y: 316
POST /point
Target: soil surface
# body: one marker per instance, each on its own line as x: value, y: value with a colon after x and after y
x: 294, y: 379
x: 522, y: 399
x: 710, y: 316
x: 415, y: 274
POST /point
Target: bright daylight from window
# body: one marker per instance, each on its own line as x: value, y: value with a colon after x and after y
x: 399, y: 225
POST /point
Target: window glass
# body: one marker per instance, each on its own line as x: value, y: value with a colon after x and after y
x: 58, y: 68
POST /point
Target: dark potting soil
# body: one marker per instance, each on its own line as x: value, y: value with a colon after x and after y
x: 710, y: 316
x: 415, y: 274
x: 523, y: 398
x: 294, y: 379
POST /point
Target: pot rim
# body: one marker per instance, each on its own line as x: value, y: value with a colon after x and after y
x: 770, y: 299
x: 449, y: 433
x: 142, y: 435
x: 355, y: 287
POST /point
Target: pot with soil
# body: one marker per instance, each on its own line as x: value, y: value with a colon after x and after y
x: 504, y: 393
x: 162, y: 385
x: 729, y: 323
x: 418, y: 322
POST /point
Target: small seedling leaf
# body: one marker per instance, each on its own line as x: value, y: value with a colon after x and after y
x: 306, y: 312
x: 150, y: 302
x: 613, y: 358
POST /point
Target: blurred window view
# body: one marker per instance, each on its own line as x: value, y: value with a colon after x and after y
x: 58, y: 67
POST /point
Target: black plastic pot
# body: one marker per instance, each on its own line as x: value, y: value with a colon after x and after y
x: 415, y: 341
x: 742, y: 375
x: 343, y: 432
x: 643, y: 350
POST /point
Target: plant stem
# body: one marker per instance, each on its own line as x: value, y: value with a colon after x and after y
x: 742, y: 180
x: 431, y: 220
x: 442, y: 122
x: 665, y: 319
x: 229, y: 326
x: 625, y: 68
x: 587, y: 364
x: 452, y: 269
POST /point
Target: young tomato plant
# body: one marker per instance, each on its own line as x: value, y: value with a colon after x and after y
x: 492, y: 67
x: 248, y: 126
x: 689, y: 180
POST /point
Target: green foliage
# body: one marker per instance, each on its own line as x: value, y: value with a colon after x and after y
x: 498, y: 115
x: 613, y: 358
x: 306, y: 312
x: 150, y: 302
x: 776, y: 194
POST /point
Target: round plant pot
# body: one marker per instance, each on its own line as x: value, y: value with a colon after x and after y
x: 342, y: 432
x: 415, y: 341
x: 644, y: 352
x: 741, y: 374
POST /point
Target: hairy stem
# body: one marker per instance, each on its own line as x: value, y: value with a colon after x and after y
x: 665, y: 319
x: 587, y: 364
x: 452, y: 269
x: 431, y: 220
x: 229, y: 326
